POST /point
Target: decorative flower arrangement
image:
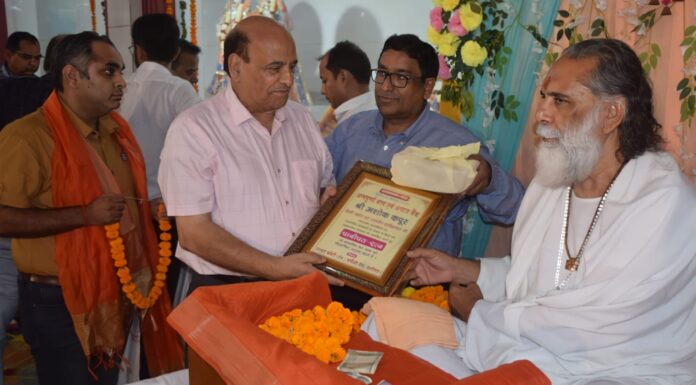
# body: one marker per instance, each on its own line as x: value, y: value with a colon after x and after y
x: 469, y: 38
x: 320, y: 332
x: 437, y: 295
x: 118, y: 254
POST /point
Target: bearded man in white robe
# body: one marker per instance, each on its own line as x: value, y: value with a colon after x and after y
x: 601, y: 284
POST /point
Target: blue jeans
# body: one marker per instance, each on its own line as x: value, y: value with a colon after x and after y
x: 8, y: 295
x: 48, y: 329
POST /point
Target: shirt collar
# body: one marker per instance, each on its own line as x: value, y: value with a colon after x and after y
x: 353, y: 103
x: 378, y: 124
x: 241, y: 114
x: 106, y: 125
x: 150, y: 67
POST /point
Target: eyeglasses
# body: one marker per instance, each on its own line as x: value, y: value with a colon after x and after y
x: 396, y: 79
x: 26, y: 56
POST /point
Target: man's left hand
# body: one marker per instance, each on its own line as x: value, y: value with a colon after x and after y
x: 483, y: 176
x: 462, y: 298
x: 329, y: 192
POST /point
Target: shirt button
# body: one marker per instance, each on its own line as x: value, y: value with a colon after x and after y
x: 293, y: 234
x: 386, y: 148
x: 278, y: 171
x: 287, y: 202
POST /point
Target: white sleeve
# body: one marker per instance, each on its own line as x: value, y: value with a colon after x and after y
x: 491, y: 279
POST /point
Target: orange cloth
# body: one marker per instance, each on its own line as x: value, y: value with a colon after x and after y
x: 87, y: 276
x: 405, y: 323
x: 221, y: 324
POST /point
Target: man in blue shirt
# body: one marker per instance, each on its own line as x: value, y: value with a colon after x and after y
x: 404, y: 80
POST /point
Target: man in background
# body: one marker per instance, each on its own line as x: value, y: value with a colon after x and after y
x: 22, y: 55
x: 345, y: 80
x: 20, y: 96
x: 185, y: 65
x: 153, y: 99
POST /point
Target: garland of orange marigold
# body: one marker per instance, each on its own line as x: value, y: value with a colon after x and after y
x: 93, y: 14
x: 169, y: 7
x: 194, y: 26
x: 319, y: 332
x: 436, y: 295
x: 118, y: 254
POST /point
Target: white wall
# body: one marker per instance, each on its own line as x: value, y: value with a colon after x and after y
x: 47, y: 18
x: 317, y: 26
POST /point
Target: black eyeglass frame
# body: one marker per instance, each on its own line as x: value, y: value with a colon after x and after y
x: 390, y: 75
x: 26, y: 56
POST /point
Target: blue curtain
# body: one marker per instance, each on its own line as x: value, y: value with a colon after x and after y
x: 519, y: 79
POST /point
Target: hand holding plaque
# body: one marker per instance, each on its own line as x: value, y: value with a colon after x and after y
x: 366, y: 229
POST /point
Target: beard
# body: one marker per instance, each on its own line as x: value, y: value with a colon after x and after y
x: 572, y: 158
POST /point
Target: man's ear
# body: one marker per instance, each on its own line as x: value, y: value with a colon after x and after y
x: 615, y: 111
x: 71, y: 76
x: 234, y: 63
x: 429, y: 85
x: 342, y: 76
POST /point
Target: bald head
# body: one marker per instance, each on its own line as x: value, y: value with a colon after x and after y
x: 260, y: 58
x: 259, y: 29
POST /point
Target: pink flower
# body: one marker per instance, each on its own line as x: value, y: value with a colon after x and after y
x: 436, y: 19
x: 666, y: 2
x: 455, y: 25
x: 444, y: 72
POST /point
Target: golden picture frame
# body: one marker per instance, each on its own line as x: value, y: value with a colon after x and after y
x: 365, y: 230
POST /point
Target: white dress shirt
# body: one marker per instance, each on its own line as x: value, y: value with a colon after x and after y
x: 350, y: 107
x: 262, y: 187
x: 154, y: 97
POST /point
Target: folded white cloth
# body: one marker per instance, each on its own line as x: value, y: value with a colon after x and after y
x: 444, y: 170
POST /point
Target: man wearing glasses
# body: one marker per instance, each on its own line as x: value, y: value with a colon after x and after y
x: 22, y: 55
x: 405, y: 77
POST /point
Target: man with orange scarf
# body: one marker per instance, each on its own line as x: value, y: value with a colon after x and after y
x: 70, y: 168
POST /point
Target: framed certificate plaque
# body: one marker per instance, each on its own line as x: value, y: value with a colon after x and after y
x: 366, y: 229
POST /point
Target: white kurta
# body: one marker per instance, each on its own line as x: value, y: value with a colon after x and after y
x: 628, y: 314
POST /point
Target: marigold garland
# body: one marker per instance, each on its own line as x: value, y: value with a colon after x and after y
x: 118, y: 254
x: 320, y: 332
x: 93, y: 14
x: 194, y: 26
x: 169, y: 7
x: 436, y: 295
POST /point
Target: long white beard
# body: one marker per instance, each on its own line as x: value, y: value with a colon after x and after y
x: 573, y: 157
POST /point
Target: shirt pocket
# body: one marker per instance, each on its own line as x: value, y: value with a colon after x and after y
x: 306, y: 179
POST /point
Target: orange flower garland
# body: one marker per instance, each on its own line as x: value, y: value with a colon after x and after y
x: 118, y: 254
x: 93, y: 14
x: 194, y: 26
x: 169, y: 7
x: 319, y: 332
x: 436, y: 295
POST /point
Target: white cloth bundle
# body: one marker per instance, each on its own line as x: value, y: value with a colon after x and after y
x: 443, y: 170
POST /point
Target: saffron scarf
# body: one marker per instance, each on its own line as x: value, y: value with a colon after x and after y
x: 87, y: 276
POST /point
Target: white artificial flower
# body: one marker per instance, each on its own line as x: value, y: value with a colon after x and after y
x: 576, y: 3
x: 601, y: 5
x: 578, y: 20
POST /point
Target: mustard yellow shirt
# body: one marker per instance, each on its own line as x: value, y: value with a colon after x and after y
x: 26, y: 148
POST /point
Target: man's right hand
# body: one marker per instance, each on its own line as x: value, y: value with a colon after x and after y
x: 430, y: 267
x: 106, y: 209
x: 296, y: 265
